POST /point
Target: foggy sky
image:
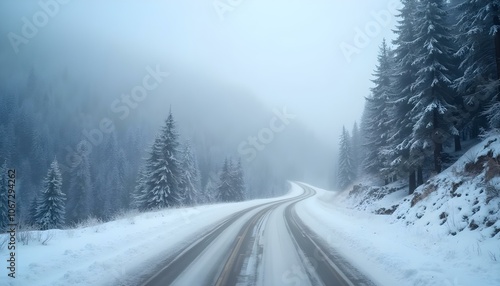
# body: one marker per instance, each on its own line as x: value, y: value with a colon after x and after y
x: 286, y: 53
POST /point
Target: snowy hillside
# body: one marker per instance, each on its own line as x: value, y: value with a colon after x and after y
x: 465, y: 197
x: 398, y: 254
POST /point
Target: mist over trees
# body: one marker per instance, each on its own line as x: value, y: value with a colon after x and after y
x: 437, y: 85
x: 64, y: 114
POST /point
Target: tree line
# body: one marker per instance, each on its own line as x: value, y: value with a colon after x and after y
x: 168, y: 178
x: 437, y: 85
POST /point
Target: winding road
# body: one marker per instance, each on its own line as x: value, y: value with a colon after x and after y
x: 266, y: 244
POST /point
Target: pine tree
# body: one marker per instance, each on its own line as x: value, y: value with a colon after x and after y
x: 32, y: 212
x: 237, y: 182
x: 345, y: 169
x: 162, y: 180
x: 378, y: 128
x: 225, y: 192
x: 51, y: 208
x: 210, y: 193
x: 138, y: 196
x: 190, y: 178
x: 433, y: 99
x: 80, y: 192
x: 478, y: 32
x: 4, y: 192
x: 398, y: 146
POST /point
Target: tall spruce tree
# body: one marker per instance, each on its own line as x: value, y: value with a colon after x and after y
x: 433, y: 100
x: 378, y: 127
x: 138, y: 195
x: 346, y: 174
x: 404, y: 74
x: 210, y: 193
x: 162, y: 174
x: 32, y: 212
x: 51, y: 209
x: 237, y: 182
x: 225, y: 191
x: 190, y: 184
x: 479, y: 49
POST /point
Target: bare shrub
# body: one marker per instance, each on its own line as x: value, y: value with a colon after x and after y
x: 47, y: 237
x: 25, y: 236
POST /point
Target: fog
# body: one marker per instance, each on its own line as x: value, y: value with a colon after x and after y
x: 232, y: 66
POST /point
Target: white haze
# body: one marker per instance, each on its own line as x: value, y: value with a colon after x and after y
x: 283, y: 53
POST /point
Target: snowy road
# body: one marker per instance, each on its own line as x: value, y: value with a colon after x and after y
x: 289, y: 240
x: 262, y: 245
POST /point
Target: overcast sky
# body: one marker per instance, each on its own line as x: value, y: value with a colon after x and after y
x: 285, y: 52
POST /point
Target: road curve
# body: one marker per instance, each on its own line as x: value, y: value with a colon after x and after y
x: 266, y: 244
x: 179, y: 263
x: 330, y: 267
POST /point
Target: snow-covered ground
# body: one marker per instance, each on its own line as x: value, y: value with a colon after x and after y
x: 119, y: 252
x: 446, y: 233
x: 395, y: 254
x: 410, y: 247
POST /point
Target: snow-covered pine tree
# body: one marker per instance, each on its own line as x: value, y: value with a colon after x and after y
x: 210, y: 191
x: 238, y: 182
x: 398, y: 146
x: 377, y: 127
x: 51, y: 208
x: 225, y: 192
x: 478, y: 82
x: 162, y: 180
x: 32, y: 212
x: 137, y: 197
x: 190, y: 185
x: 78, y: 206
x: 3, y: 197
x: 345, y: 175
x: 433, y: 99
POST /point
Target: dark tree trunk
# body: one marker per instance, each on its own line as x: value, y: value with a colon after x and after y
x: 438, y: 147
x: 458, y: 143
x: 412, y: 184
x: 420, y: 176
